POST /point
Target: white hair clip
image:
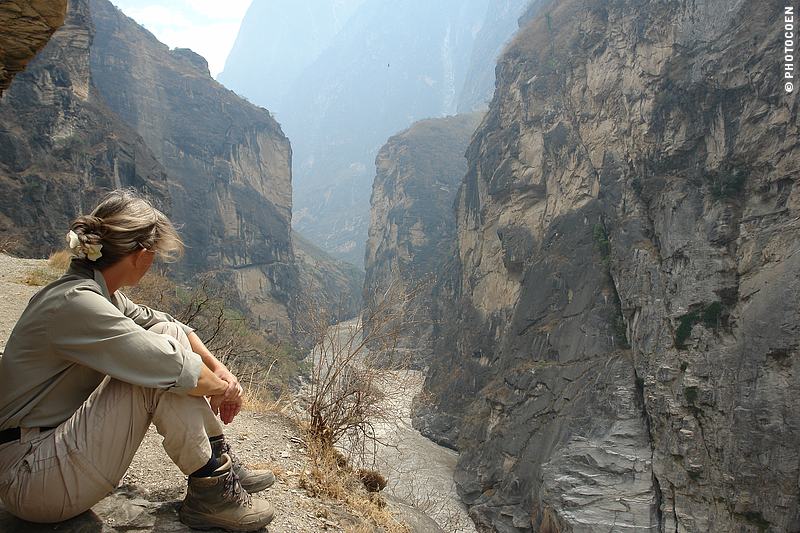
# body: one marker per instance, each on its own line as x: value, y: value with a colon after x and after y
x: 78, y: 249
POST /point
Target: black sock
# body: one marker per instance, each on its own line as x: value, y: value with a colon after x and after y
x: 208, y: 469
x: 216, y: 445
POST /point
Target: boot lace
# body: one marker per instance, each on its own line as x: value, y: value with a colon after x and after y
x: 233, y: 491
x: 226, y: 448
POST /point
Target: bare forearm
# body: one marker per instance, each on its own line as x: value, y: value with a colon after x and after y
x: 218, y: 382
x: 208, y: 384
x: 200, y: 349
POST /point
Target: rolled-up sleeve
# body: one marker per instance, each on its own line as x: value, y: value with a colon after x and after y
x: 145, y: 316
x: 190, y: 373
x: 89, y: 330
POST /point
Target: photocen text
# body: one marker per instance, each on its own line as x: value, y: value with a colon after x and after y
x: 790, y: 38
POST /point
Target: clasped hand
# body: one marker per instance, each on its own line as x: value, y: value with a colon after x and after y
x: 228, y: 404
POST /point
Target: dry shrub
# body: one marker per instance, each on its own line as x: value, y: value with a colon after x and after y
x: 59, y: 260
x: 352, y: 390
x: 353, y: 382
x: 57, y: 264
x: 327, y: 476
x: 9, y: 244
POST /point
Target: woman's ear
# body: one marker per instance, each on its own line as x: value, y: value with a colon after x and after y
x: 138, y: 257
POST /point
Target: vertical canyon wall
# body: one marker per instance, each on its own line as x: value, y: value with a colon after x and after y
x: 619, y: 351
x: 412, y: 232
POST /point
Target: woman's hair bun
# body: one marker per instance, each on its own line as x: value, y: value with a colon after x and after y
x: 88, y: 228
x: 122, y: 223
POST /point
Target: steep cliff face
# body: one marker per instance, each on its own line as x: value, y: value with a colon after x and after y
x: 61, y: 148
x: 27, y: 26
x: 228, y: 162
x: 413, y: 226
x: 629, y: 308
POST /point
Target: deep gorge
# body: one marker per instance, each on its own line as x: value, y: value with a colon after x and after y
x: 604, y: 260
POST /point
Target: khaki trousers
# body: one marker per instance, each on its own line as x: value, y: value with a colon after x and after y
x: 57, y: 474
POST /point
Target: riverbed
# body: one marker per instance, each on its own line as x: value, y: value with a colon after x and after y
x: 418, y: 470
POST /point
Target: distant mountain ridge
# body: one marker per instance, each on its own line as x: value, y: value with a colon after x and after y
x: 387, y: 66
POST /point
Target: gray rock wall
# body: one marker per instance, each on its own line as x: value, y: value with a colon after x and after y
x: 624, y: 356
x: 61, y: 148
x: 413, y: 227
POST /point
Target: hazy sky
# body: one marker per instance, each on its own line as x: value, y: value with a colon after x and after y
x: 208, y: 27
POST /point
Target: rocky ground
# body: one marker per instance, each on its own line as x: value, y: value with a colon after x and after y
x: 149, y: 495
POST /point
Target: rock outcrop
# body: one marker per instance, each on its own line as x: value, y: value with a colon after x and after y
x: 27, y: 26
x: 61, y: 148
x: 229, y: 163
x: 625, y: 352
x: 412, y: 233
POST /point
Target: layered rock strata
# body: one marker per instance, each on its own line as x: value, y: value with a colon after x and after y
x: 61, y: 148
x: 27, y: 26
x: 625, y: 353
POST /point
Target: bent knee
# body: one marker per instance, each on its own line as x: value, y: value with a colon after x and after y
x: 166, y: 328
x: 173, y: 330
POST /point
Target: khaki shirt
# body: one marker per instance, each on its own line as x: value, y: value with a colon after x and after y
x: 71, y: 335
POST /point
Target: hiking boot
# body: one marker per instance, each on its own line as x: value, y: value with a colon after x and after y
x: 220, y: 501
x: 252, y: 480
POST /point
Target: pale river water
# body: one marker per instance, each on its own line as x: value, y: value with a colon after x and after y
x: 419, y: 471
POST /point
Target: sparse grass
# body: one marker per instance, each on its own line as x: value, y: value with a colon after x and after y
x: 329, y: 475
x: 8, y: 244
x: 40, y: 276
x: 601, y: 241
x: 56, y: 265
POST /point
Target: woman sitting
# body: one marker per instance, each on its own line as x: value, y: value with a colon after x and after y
x: 86, y: 371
